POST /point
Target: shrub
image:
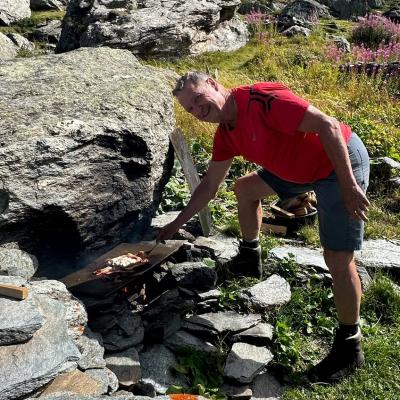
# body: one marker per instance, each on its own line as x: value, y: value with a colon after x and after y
x: 374, y: 30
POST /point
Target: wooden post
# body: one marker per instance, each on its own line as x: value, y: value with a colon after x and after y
x: 192, y: 177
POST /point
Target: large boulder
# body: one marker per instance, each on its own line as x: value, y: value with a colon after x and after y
x: 48, y: 4
x: 154, y: 27
x: 346, y: 9
x: 307, y: 10
x: 84, y: 151
x: 13, y: 10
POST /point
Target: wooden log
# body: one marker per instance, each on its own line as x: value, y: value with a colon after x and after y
x: 17, y: 292
x: 192, y: 177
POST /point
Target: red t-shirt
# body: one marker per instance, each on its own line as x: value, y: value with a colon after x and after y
x: 268, y: 115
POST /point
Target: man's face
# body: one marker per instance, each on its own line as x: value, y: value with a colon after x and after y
x: 204, y: 101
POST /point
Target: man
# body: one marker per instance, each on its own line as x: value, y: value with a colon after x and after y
x: 299, y: 148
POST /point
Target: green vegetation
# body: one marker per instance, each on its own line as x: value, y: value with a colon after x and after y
x: 28, y: 25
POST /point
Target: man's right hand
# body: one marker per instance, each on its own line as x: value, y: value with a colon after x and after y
x: 167, y: 231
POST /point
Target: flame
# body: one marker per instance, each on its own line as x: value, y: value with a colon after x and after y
x: 125, y: 290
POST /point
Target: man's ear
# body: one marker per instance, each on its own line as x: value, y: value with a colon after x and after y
x: 212, y: 82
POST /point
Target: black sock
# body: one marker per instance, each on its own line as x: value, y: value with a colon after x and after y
x: 251, y: 244
x: 347, y: 330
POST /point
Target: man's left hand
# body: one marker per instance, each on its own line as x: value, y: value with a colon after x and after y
x: 356, y: 202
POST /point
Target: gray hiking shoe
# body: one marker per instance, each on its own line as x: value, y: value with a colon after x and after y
x: 344, y: 358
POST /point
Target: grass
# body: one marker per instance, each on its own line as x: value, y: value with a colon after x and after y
x: 28, y: 25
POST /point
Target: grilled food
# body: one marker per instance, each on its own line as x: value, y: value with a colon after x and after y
x: 124, y: 263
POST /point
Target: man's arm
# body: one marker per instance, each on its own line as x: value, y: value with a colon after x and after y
x: 331, y: 137
x: 205, y: 191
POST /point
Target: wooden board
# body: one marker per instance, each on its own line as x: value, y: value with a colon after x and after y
x: 85, y: 282
x: 192, y: 177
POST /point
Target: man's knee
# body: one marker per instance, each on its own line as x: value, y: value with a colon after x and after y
x: 240, y: 187
x: 339, y: 262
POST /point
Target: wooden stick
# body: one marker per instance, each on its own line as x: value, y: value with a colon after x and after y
x: 17, y: 292
x: 182, y: 151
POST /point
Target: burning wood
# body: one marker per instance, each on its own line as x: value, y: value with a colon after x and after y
x: 124, y: 263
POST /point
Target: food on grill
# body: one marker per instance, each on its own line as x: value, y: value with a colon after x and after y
x: 123, y: 263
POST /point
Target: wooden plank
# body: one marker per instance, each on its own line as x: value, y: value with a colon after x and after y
x: 192, y: 177
x: 280, y: 211
x: 17, y: 292
x: 277, y: 229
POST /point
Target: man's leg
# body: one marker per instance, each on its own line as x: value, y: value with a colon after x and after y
x: 346, y: 285
x: 346, y: 354
x: 249, y: 191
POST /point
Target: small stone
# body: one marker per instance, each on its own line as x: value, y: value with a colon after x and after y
x: 274, y: 291
x: 126, y: 367
x: 75, y: 382
x: 266, y: 387
x: 235, y: 392
x: 260, y: 334
x: 245, y: 361
x: 17, y: 263
x: 184, y: 340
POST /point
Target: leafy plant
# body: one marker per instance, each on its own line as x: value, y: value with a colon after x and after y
x: 230, y: 291
x: 382, y: 301
x: 204, y: 372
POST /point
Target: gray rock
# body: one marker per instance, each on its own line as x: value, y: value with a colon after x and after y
x: 48, y: 4
x: 126, y: 367
x: 195, y: 275
x: 393, y: 14
x: 106, y: 377
x: 19, y: 320
x: 49, y: 31
x: 169, y: 301
x: 274, y: 291
x: 154, y: 27
x: 209, y: 295
x: 260, y: 334
x: 380, y: 253
x: 242, y: 392
x: 21, y: 42
x: 345, y: 9
x: 266, y: 387
x: 76, y: 382
x: 342, y: 43
x: 72, y: 396
x: 13, y: 10
x: 221, y: 246
x: 245, y: 361
x: 90, y: 344
x: 127, y: 332
x: 308, y: 10
x: 156, y: 362
x: 49, y: 353
x: 162, y: 327
x: 84, y: 152
x: 184, y: 340
x: 296, y: 30
x: 17, y: 263
x: 225, y: 321
x: 75, y: 312
x: 302, y: 255
x: 310, y: 259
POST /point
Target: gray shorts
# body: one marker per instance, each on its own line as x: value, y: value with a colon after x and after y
x: 336, y: 229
